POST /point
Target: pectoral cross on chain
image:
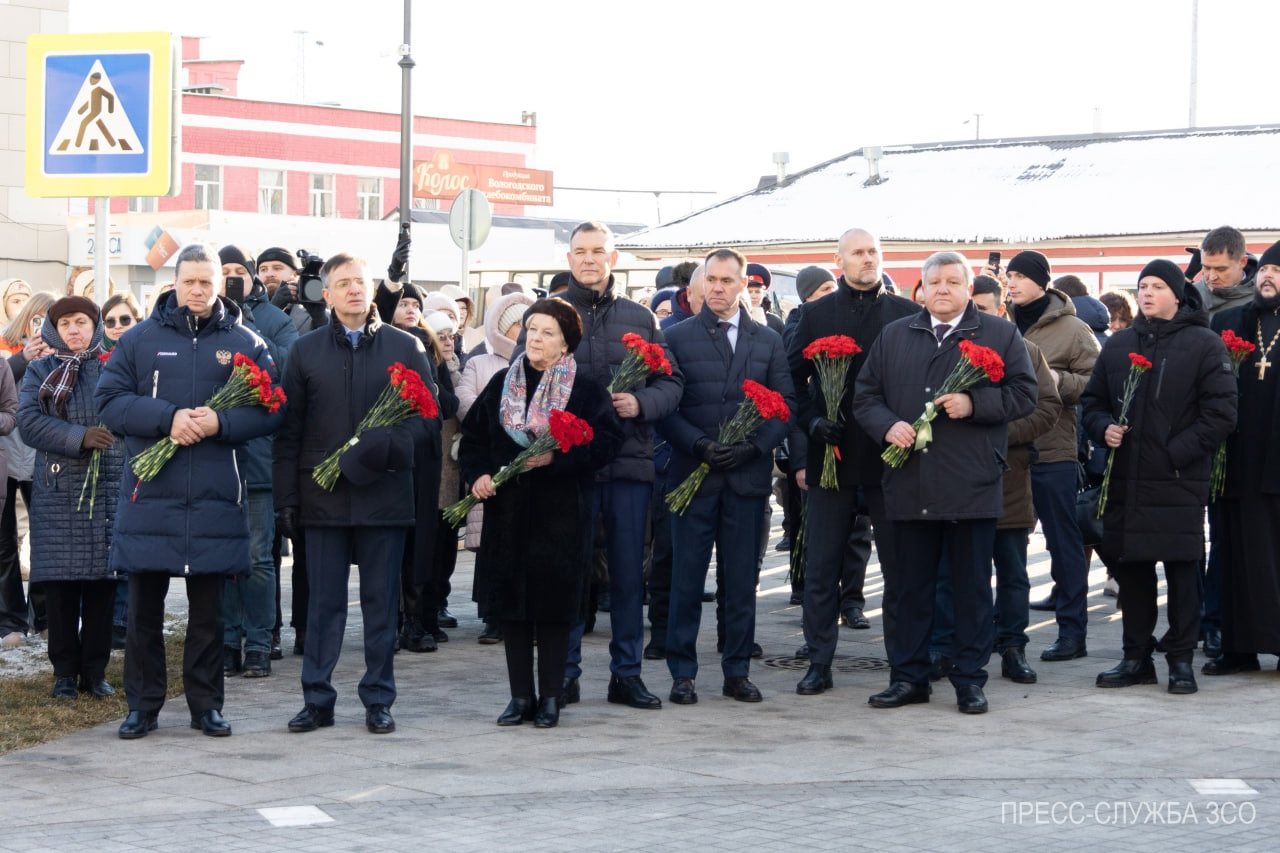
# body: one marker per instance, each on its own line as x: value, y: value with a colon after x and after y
x: 1262, y: 366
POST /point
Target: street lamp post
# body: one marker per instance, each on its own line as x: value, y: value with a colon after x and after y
x: 406, y: 125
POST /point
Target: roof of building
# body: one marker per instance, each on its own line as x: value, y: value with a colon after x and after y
x: 1016, y: 190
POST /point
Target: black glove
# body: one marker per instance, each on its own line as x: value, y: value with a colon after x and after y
x: 400, y: 257
x: 828, y: 432
x: 705, y: 449
x: 287, y: 522
x: 283, y: 297
x: 728, y: 457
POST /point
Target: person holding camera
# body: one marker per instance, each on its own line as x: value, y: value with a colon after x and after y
x: 294, y: 288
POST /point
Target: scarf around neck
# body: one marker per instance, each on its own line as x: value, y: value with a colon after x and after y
x: 58, y: 385
x: 524, y: 418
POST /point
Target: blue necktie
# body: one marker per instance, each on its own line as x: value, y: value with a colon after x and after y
x: 354, y: 337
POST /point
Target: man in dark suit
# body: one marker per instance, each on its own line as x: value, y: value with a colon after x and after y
x: 948, y: 493
x: 334, y: 376
x: 718, y: 349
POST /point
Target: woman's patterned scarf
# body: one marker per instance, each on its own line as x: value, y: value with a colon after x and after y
x: 523, y: 423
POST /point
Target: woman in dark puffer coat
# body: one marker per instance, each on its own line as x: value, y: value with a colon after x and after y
x: 70, y: 542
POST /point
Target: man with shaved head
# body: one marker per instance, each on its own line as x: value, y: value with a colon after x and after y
x: 839, y: 538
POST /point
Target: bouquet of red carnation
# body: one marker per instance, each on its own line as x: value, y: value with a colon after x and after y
x: 1138, y: 365
x: 405, y: 396
x: 249, y: 385
x: 976, y: 364
x: 642, y: 358
x: 831, y: 356
x: 1239, y: 349
x: 758, y: 405
x: 564, y: 432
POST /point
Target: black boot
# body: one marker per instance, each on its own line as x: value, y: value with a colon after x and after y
x: 548, y: 715
x: 1182, y: 680
x: 816, y: 680
x: 1014, y: 666
x: 1128, y: 673
x: 518, y: 710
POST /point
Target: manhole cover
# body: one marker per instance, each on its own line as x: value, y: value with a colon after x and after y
x: 841, y: 663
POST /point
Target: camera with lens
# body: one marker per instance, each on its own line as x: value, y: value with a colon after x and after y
x: 310, y: 288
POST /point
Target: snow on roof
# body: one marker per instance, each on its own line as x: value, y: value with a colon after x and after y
x: 1016, y: 191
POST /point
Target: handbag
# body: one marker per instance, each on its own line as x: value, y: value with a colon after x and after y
x: 1087, y: 516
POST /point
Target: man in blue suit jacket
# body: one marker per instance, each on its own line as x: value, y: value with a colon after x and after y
x: 718, y: 349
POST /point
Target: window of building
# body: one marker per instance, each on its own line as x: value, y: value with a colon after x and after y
x: 208, y: 187
x: 142, y: 204
x: 426, y: 204
x: 368, y: 198
x: 322, y: 201
x: 271, y: 191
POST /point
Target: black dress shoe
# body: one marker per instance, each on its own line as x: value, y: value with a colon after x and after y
x: 740, y: 689
x: 1182, y: 679
x: 97, y: 687
x: 630, y: 690
x: 310, y: 718
x: 939, y: 666
x: 377, y: 719
x: 445, y: 619
x: 211, y: 723
x: 491, y: 635
x: 784, y: 544
x: 438, y: 635
x: 1230, y: 664
x: 655, y: 651
x: 419, y: 641
x: 548, y: 715
x: 1045, y: 604
x: 682, y: 692
x: 1128, y: 673
x: 970, y: 699
x: 1014, y: 666
x: 571, y: 693
x: 756, y: 651
x: 277, y: 653
x: 1212, y: 643
x: 517, y: 711
x: 797, y: 598
x: 900, y: 693
x: 708, y: 596
x: 257, y: 664
x: 853, y: 618
x: 137, y: 724
x: 1064, y: 648
x: 64, y: 687
x: 299, y: 642
x: 803, y: 652
x: 816, y: 680
x: 230, y: 660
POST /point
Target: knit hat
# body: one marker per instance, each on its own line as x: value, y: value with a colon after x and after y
x: 72, y: 305
x: 441, y: 323
x: 560, y: 311
x: 1033, y: 265
x: 275, y: 253
x: 514, y: 314
x: 457, y: 294
x: 1271, y: 257
x: 232, y: 254
x: 810, y: 279
x: 409, y: 290
x: 1169, y: 273
x: 439, y: 302
x: 759, y: 275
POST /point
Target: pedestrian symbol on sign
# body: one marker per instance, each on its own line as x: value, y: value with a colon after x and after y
x: 96, y: 123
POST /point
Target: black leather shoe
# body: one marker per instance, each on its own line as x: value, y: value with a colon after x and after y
x: 64, y: 687
x: 1013, y: 666
x: 1064, y: 648
x: 797, y: 598
x: 230, y: 660
x: 277, y: 653
x: 517, y: 711
x: 971, y: 700
x: 784, y: 544
x: 1230, y: 664
x: 1045, y: 604
x: 682, y: 692
x: 445, y: 619
x: 491, y: 635
x: 1182, y: 679
x: 1212, y: 643
x: 211, y: 723
x: 137, y: 724
x: 419, y: 640
x: 311, y: 718
x: 756, y: 651
x: 740, y: 689
x: 548, y: 715
x: 257, y: 664
x: 853, y: 618
x: 816, y: 680
x: 1128, y: 673
x: 939, y: 666
x: 571, y: 693
x: 438, y: 635
x: 655, y: 651
x: 377, y: 719
x: 97, y: 687
x: 630, y: 690
x: 900, y: 693
x: 708, y: 596
x: 299, y: 642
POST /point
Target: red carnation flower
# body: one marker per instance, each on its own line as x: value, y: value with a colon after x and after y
x: 832, y: 346
x: 102, y: 357
x: 1141, y: 362
x: 768, y: 403
x: 569, y: 430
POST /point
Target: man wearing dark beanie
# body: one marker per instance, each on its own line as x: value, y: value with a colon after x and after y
x: 1047, y: 317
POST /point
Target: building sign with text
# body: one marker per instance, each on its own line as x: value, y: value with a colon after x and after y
x: 444, y: 177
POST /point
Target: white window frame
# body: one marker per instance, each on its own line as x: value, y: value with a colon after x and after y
x: 369, y: 204
x: 318, y: 197
x: 269, y: 193
x: 208, y: 193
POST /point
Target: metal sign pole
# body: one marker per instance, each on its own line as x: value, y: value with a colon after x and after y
x: 101, y: 251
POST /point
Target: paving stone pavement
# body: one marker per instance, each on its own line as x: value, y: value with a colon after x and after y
x: 1058, y: 764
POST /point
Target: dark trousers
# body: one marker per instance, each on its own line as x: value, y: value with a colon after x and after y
x: 623, y: 506
x: 919, y: 547
x: 1138, y: 604
x: 1210, y: 579
x: 301, y: 588
x: 378, y: 552
x: 732, y: 521
x: 145, y: 675
x: 18, y: 611
x: 766, y: 522
x: 793, y: 513
x: 1012, y: 596
x: 838, y: 548
x: 80, y: 627
x: 552, y: 640
x: 1053, y: 491
x: 660, y: 557
x: 436, y: 590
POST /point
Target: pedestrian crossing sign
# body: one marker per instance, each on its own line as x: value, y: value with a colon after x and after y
x: 101, y: 114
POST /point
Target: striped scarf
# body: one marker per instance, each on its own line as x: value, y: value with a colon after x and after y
x: 57, y: 386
